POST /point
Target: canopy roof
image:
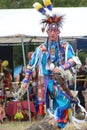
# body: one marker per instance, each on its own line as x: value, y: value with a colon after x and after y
x: 25, y: 23
x: 81, y: 43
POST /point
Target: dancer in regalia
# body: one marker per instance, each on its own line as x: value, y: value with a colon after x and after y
x: 53, y: 58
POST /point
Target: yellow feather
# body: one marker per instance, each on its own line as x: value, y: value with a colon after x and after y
x: 37, y: 5
x: 5, y: 63
x: 47, y: 2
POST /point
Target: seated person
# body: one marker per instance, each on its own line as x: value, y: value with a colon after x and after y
x: 30, y: 90
x: 2, y: 113
x: 84, y: 68
x: 20, y: 76
x: 80, y: 86
x: 18, y: 115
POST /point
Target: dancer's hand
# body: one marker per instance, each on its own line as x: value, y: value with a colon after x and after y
x: 59, y: 79
x: 59, y: 71
x: 24, y: 86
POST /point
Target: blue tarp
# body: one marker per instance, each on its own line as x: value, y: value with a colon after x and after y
x: 81, y: 43
x: 17, y: 70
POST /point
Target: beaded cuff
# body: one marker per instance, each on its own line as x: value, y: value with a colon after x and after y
x: 66, y: 65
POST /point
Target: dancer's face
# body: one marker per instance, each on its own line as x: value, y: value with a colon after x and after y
x: 53, y: 34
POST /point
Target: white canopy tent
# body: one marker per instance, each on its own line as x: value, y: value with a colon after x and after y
x: 16, y: 23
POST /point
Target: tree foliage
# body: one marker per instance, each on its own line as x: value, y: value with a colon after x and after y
x: 9, y: 4
x: 17, y: 55
x: 82, y: 55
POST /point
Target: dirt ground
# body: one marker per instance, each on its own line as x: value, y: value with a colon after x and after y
x: 20, y: 125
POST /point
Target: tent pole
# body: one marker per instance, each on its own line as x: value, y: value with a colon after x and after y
x: 29, y: 113
x: 75, y: 81
x: 23, y: 52
x: 28, y: 84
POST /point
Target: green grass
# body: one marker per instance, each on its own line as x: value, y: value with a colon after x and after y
x: 18, y: 125
x: 14, y: 125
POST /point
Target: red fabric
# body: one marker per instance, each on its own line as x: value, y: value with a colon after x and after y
x: 11, y: 109
x: 31, y: 96
x: 64, y: 117
x: 25, y: 106
x: 41, y: 109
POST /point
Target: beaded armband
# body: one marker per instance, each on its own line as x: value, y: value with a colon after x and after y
x: 27, y: 75
x: 67, y: 65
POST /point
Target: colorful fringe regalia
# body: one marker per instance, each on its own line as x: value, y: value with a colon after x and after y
x: 60, y: 54
x: 60, y: 102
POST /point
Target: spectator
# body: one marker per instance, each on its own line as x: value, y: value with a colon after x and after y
x: 18, y: 116
x: 6, y: 79
x: 29, y: 55
x: 34, y: 83
x: 2, y: 113
x: 80, y: 86
x: 20, y: 76
x: 84, y: 68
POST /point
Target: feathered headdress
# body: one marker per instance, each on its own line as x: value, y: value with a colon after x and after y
x: 52, y: 19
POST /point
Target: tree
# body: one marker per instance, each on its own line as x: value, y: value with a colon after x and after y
x: 10, y: 4
x: 82, y: 56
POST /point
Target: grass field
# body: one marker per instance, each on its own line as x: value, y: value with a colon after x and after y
x: 18, y: 125
x: 14, y: 125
